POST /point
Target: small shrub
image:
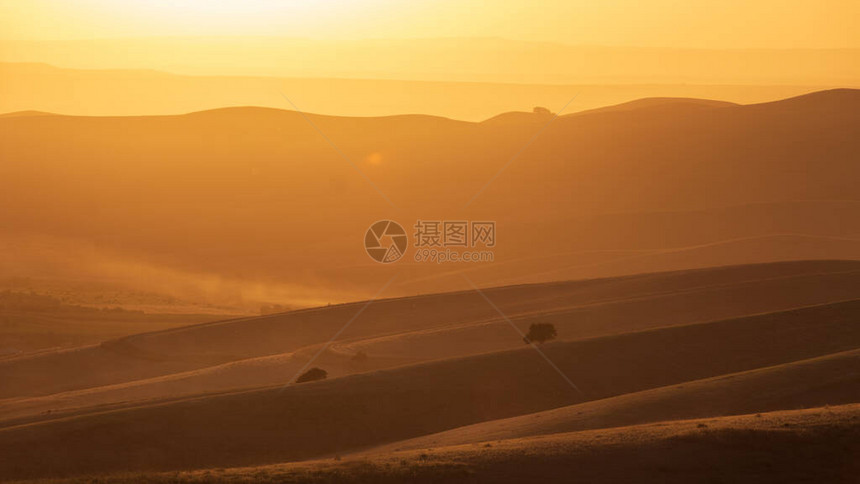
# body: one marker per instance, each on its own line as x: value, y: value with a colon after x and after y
x: 313, y: 374
x: 540, y: 333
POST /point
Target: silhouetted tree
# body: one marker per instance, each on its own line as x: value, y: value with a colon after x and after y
x: 313, y: 374
x: 542, y: 111
x: 540, y: 332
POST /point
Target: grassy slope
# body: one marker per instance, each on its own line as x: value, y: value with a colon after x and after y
x: 815, y: 445
x: 300, y: 422
x: 267, y: 350
x: 828, y: 380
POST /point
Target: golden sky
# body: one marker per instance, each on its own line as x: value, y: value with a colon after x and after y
x: 656, y: 23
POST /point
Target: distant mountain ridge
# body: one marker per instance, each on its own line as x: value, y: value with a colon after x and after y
x: 138, y: 92
x: 668, y: 185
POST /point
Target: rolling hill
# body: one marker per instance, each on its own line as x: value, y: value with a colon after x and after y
x: 761, y: 448
x: 697, y: 260
x: 263, y: 208
x: 817, y: 382
x: 129, y: 92
x: 267, y: 350
x: 277, y: 424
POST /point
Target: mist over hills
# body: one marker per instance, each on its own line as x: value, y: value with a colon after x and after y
x: 446, y: 59
x: 257, y: 195
x: 447, y: 241
x: 762, y: 337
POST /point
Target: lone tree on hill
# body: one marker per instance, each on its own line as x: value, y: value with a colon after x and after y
x: 540, y: 333
x: 313, y: 374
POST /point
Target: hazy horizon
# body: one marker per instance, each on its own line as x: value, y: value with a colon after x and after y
x: 440, y: 241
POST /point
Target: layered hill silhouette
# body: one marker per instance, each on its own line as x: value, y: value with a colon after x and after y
x: 266, y: 350
x: 260, y: 196
x: 638, y: 349
x: 698, y: 259
x: 760, y: 448
x: 129, y: 92
x: 427, y: 260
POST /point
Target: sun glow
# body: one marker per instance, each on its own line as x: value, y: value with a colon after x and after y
x: 60, y: 19
x: 231, y: 9
x: 657, y: 23
x: 236, y: 14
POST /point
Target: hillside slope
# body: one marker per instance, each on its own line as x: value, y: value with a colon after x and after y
x: 305, y: 421
x: 753, y: 449
x: 249, y: 192
x: 269, y: 350
x: 827, y: 380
